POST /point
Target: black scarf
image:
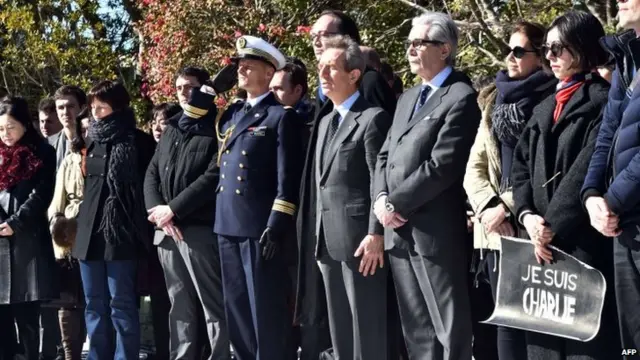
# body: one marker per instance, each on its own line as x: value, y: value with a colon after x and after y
x: 515, y: 102
x: 123, y: 216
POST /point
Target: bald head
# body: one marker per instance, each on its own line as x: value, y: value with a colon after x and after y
x: 371, y: 57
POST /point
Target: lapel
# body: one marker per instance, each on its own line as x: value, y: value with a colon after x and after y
x: 323, y: 125
x: 432, y: 103
x: 255, y: 115
x: 347, y: 127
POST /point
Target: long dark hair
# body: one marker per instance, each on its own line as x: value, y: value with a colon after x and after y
x: 18, y: 108
x: 78, y: 143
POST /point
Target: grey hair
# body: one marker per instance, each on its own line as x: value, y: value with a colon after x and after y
x: 441, y: 28
x: 353, y: 57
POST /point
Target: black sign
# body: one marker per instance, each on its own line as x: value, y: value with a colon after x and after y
x: 563, y: 299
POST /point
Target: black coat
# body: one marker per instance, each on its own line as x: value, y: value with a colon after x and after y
x: 90, y: 244
x: 27, y: 265
x: 565, y: 148
x: 184, y: 174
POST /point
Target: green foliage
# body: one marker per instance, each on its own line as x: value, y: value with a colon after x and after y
x: 48, y: 43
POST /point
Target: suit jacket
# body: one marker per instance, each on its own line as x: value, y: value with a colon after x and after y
x: 422, y: 164
x: 311, y: 301
x: 343, y: 180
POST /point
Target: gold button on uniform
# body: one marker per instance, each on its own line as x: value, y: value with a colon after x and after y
x: 239, y: 178
x: 224, y: 163
x: 226, y: 152
x: 238, y: 191
x: 221, y: 188
x: 241, y: 166
x: 244, y: 153
x: 222, y: 176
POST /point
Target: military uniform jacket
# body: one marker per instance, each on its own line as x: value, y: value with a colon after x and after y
x: 260, y: 168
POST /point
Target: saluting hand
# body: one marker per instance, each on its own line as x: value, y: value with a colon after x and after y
x: 372, y: 250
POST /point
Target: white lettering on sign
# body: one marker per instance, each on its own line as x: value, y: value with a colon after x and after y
x: 545, y: 301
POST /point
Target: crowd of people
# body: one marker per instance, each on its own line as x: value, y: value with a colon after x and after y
x: 361, y: 222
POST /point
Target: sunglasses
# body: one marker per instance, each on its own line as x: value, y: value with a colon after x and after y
x: 519, y: 52
x: 420, y: 43
x: 322, y: 34
x: 556, y: 49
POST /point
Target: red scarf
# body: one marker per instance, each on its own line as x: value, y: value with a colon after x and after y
x: 17, y: 163
x: 562, y: 97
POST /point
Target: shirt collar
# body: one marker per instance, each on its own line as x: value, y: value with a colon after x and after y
x: 253, y: 102
x: 343, y: 109
x: 438, y: 80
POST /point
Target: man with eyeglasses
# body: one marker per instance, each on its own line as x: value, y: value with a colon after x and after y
x: 311, y: 307
x: 611, y: 191
x: 419, y: 195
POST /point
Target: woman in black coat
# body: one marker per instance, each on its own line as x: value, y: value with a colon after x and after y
x: 27, y: 268
x: 179, y: 196
x: 112, y: 229
x: 550, y: 164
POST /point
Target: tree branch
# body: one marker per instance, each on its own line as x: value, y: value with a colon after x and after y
x: 460, y: 24
x: 486, y: 29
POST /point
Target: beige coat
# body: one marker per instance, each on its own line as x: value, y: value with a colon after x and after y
x: 483, y: 175
x: 67, y: 196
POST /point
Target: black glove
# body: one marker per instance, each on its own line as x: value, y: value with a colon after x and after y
x: 268, y: 245
x: 225, y: 79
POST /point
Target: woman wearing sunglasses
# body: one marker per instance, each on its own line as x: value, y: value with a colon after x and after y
x: 549, y: 167
x: 506, y: 107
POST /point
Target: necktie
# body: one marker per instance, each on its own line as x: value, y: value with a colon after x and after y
x: 332, y: 129
x: 247, y: 107
x: 424, y: 92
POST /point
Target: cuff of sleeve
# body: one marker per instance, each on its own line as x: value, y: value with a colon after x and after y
x: 586, y: 194
x: 613, y: 203
x: 282, y: 213
x: 522, y: 214
x: 376, y: 228
x: 382, y: 193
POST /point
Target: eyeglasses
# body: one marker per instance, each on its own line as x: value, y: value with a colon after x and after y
x: 556, y: 49
x: 420, y: 43
x: 519, y: 52
x: 322, y: 34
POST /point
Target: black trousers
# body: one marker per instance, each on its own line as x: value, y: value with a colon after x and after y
x: 26, y: 316
x: 626, y: 258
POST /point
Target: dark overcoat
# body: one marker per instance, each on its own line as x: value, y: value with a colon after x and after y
x: 90, y: 243
x: 27, y: 264
x: 549, y: 168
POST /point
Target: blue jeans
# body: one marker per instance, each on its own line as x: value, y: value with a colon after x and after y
x: 111, y: 303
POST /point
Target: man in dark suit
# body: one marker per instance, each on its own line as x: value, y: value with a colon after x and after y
x: 420, y: 199
x: 311, y: 308
x: 260, y: 163
x: 350, y: 245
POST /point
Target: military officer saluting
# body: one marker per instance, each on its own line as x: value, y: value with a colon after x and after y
x: 260, y: 158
